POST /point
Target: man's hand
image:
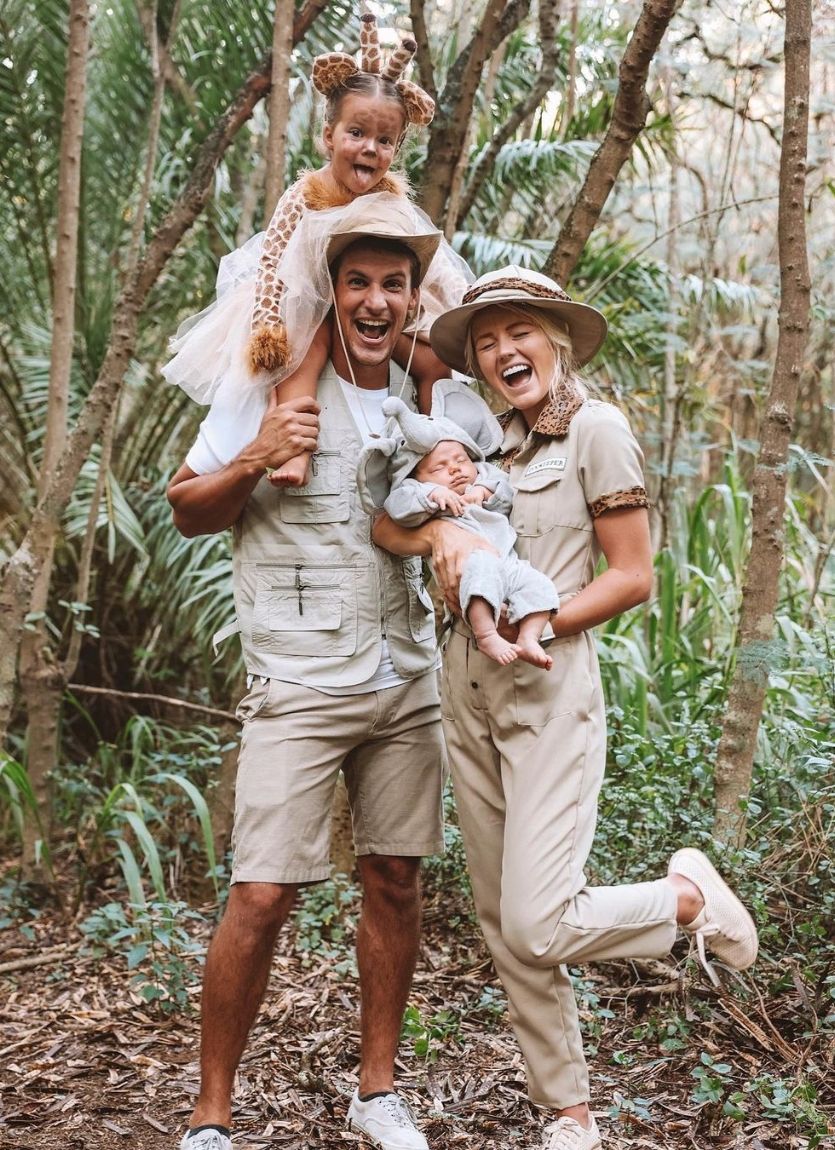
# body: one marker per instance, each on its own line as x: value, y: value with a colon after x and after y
x: 287, y: 429
x: 205, y: 504
x: 451, y: 548
x: 445, y: 499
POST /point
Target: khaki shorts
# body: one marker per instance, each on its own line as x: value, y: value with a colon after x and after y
x: 296, y: 739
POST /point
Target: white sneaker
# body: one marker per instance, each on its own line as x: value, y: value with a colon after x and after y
x: 207, y: 1138
x: 723, y: 923
x: 387, y: 1121
x: 568, y: 1134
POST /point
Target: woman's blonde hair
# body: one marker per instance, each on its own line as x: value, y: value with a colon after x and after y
x: 566, y: 372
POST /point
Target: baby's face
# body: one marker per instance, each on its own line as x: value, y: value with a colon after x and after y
x: 447, y: 465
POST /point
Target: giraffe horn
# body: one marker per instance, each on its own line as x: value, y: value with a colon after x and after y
x: 369, y: 44
x: 399, y: 59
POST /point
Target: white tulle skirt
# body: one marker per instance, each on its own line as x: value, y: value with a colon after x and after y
x: 210, y: 349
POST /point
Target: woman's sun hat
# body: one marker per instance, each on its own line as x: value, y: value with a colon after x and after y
x: 513, y: 285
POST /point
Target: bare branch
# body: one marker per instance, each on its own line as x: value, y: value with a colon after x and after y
x: 166, y: 700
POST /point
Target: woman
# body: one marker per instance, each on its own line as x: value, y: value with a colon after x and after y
x: 527, y: 747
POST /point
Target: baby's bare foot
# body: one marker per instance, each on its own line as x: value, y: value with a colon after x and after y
x: 533, y: 653
x: 497, y: 648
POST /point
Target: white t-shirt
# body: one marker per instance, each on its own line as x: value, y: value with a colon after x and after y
x: 226, y: 431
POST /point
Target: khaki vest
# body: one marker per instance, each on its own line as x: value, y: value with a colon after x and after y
x: 313, y: 595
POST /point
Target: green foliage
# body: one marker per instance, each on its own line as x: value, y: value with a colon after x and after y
x: 156, y: 944
x: 325, y: 922
x: 17, y: 800
x: 139, y: 804
x: 428, y: 1036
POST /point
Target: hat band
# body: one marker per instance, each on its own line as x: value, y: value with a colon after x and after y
x: 513, y: 283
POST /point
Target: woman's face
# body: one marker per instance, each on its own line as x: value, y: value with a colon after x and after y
x: 515, y: 357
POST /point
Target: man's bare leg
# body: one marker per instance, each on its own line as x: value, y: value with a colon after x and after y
x: 387, y: 949
x: 237, y: 970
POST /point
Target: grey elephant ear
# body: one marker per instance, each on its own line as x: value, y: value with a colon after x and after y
x: 454, y: 400
x: 374, y: 473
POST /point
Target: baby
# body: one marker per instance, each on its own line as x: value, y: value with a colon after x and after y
x: 438, y: 468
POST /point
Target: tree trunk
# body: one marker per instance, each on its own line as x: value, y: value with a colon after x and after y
x: 25, y: 565
x: 279, y: 106
x: 41, y: 680
x: 670, y: 422
x: 548, y: 19
x: 448, y: 131
x: 567, y: 112
x: 755, y: 650
x: 631, y: 108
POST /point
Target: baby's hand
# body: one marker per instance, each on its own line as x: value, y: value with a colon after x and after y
x: 447, y: 500
x: 477, y: 494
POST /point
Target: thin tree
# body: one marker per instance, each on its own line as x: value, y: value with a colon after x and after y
x: 279, y: 105
x: 755, y: 651
x: 548, y: 21
x: 631, y: 108
x: 41, y: 676
x: 448, y: 132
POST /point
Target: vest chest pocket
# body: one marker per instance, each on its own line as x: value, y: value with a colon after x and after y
x: 303, y: 609
x: 323, y: 499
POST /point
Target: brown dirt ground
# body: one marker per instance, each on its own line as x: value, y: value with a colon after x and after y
x: 86, y: 1065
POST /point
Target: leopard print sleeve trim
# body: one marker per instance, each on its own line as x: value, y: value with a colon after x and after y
x: 632, y: 497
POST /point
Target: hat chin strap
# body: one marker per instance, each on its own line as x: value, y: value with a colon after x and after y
x: 346, y: 353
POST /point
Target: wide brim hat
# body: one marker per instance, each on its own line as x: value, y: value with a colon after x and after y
x: 382, y: 215
x: 514, y: 285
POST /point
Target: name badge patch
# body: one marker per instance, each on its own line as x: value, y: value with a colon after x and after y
x: 553, y: 463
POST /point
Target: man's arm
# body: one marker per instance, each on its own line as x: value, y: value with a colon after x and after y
x: 445, y: 545
x: 206, y: 504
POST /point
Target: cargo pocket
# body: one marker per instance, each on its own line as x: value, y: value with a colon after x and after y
x: 253, y: 701
x: 421, y: 607
x: 538, y: 502
x: 323, y: 499
x: 305, y: 609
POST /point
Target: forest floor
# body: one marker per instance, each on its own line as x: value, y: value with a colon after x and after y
x: 87, y: 1064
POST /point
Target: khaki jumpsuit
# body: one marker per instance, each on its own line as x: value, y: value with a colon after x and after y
x: 527, y: 752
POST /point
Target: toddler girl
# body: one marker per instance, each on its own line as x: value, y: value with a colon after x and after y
x: 258, y: 332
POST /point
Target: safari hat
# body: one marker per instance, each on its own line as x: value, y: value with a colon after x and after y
x: 513, y: 285
x: 382, y: 215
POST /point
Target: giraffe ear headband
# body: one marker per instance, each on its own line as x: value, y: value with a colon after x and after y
x: 332, y: 70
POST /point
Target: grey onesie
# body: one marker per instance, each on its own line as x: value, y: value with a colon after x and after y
x: 502, y: 578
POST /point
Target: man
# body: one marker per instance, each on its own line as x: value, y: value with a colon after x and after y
x: 339, y: 646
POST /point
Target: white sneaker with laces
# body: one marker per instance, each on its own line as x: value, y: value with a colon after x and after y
x: 723, y: 923
x: 568, y: 1134
x: 387, y: 1121
x: 207, y: 1138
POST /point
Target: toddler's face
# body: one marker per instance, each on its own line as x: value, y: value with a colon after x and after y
x: 363, y: 141
x: 447, y: 465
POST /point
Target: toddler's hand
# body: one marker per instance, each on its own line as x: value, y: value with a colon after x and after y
x: 477, y: 494
x: 447, y: 500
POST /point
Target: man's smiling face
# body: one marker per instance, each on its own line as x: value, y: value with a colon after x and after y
x: 374, y: 293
